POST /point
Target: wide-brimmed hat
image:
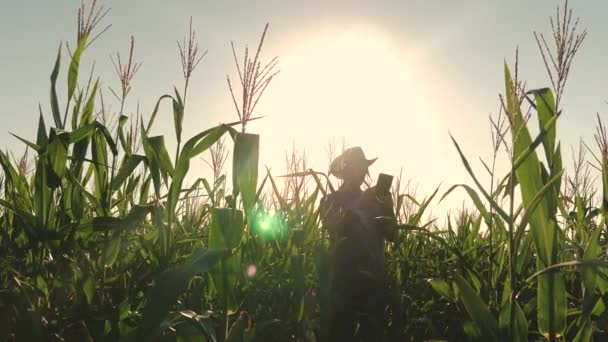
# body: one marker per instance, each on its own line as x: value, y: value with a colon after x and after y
x: 352, y: 157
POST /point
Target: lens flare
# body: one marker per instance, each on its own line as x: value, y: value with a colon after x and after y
x: 251, y: 271
x: 265, y: 223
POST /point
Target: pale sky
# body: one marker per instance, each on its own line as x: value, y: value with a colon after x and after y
x: 391, y: 76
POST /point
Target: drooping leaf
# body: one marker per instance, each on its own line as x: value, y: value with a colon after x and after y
x: 164, y: 294
x: 477, y: 309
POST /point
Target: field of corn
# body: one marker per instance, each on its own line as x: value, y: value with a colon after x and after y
x: 105, y: 235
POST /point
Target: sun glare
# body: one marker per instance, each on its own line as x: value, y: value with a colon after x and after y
x: 354, y: 84
x: 337, y: 80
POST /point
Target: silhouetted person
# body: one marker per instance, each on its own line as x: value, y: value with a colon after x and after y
x: 357, y: 238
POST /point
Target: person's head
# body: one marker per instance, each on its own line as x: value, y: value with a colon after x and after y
x: 351, y: 166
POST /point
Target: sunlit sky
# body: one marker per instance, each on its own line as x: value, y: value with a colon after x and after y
x: 394, y: 77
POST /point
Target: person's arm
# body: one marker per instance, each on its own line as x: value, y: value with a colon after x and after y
x: 329, y: 216
x: 384, y: 213
x: 389, y: 219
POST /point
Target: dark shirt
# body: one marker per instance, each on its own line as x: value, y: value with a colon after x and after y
x: 355, y: 235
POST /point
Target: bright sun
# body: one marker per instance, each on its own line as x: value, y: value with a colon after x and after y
x: 342, y: 80
x: 358, y: 85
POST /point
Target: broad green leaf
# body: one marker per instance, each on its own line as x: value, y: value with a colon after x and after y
x: 477, y: 309
x: 545, y: 107
x: 162, y: 156
x: 592, y: 251
x: 87, y: 112
x: 100, y: 169
x: 171, y: 283
x: 245, y: 169
x: 551, y: 292
x: 520, y: 323
x: 126, y: 169
x: 226, y: 228
x: 226, y: 232
x: 183, y: 164
x: 551, y: 304
x: 443, y: 288
x: 74, y: 66
x: 88, y: 287
x: 81, y: 133
x: 152, y: 160
x: 57, y: 151
x: 110, y: 250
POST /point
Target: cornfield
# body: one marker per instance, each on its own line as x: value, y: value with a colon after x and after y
x: 101, y: 238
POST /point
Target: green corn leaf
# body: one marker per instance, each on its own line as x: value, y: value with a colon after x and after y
x: 171, y: 283
x: 57, y: 156
x: 545, y: 107
x: 41, y: 137
x: 88, y: 287
x: 108, y: 137
x: 154, y: 112
x: 30, y: 144
x: 415, y: 219
x: 74, y: 66
x: 126, y: 169
x: 585, y: 333
x: 110, y: 250
x: 81, y: 189
x: 443, y: 288
x: 178, y: 115
x: 126, y: 146
x: 100, y: 168
x: 132, y: 220
x: 552, y: 308
x: 226, y: 233
x: 226, y: 228
x: 551, y: 293
x: 245, y: 169
x: 54, y: 101
x: 145, y: 190
x: 42, y: 193
x: 592, y: 251
x: 520, y: 325
x: 477, y: 310
x: 183, y: 163
x: 467, y: 166
x: 87, y: 112
x: 76, y: 110
x: 277, y: 193
x: 152, y: 160
x: 474, y: 196
x: 162, y: 156
x: 81, y: 133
